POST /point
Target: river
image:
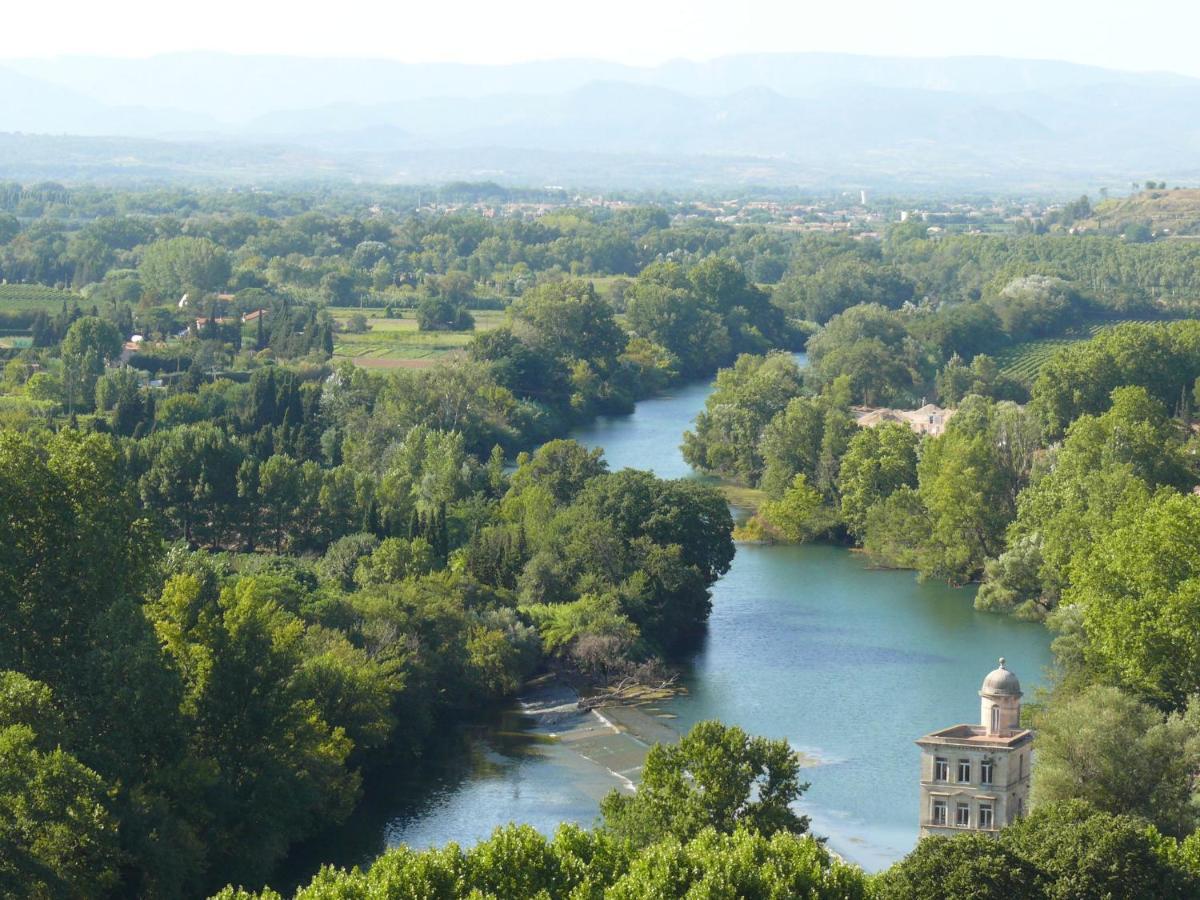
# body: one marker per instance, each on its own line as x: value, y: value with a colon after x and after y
x: 847, y: 663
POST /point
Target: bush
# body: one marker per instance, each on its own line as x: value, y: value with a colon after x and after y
x: 442, y: 314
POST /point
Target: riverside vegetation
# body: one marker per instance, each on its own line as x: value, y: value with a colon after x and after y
x: 231, y: 592
x: 1076, y: 508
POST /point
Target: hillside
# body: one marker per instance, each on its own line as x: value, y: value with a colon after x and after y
x: 1164, y: 212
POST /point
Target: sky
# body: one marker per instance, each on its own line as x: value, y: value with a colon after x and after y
x: 1148, y: 35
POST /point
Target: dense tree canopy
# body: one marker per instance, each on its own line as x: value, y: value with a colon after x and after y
x: 174, y: 266
x: 238, y: 573
x: 716, y: 777
x: 1137, y: 588
x: 746, y: 397
x: 870, y: 346
x: 1120, y: 755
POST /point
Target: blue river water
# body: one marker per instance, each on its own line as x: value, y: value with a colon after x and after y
x: 848, y: 663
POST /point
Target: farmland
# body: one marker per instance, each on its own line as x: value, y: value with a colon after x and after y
x: 397, y: 343
x: 1024, y: 361
x: 22, y: 297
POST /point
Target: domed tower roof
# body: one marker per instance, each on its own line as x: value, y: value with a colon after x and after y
x: 1001, y: 681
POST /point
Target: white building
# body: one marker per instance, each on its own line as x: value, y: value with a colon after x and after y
x: 929, y: 419
x: 976, y: 777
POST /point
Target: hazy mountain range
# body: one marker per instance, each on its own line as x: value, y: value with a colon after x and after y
x: 783, y: 119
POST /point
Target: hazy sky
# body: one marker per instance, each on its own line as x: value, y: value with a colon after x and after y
x: 1150, y: 34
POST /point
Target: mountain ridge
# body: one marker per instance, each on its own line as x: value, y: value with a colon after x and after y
x: 990, y: 120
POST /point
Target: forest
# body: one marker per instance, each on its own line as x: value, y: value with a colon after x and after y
x: 239, y: 572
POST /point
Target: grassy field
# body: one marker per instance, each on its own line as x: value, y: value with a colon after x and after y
x: 605, y: 284
x: 33, y: 296
x: 1025, y: 360
x: 396, y: 343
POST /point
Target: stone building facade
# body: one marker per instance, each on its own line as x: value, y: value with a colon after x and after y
x: 976, y: 777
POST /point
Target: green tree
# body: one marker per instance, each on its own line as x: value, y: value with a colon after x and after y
x: 969, y: 480
x: 878, y: 462
x: 716, y: 777
x: 58, y: 837
x: 971, y: 867
x: 394, y: 560
x: 742, y: 864
x: 663, y: 308
x: 88, y: 344
x: 897, y: 529
x: 754, y: 323
x: 278, y: 768
x: 192, y: 481
x: 569, y: 321
x: 848, y: 282
x: 1120, y: 755
x: 1103, y: 473
x: 121, y: 393
x: 799, y: 514
x: 747, y: 396
x: 179, y: 265
x: 440, y: 313
x: 342, y: 558
x: 791, y: 444
x: 1086, y: 853
x: 1163, y: 358
x: 76, y: 625
x: 869, y: 345
x: 1036, y: 306
x: 280, y: 493
x: 562, y: 467
x: 1139, y: 589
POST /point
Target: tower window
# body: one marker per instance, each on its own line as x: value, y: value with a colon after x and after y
x: 995, y: 719
x: 985, y: 772
x: 964, y: 771
x: 938, y: 813
x: 962, y: 815
x: 1021, y: 766
x: 985, y: 815
x: 941, y: 769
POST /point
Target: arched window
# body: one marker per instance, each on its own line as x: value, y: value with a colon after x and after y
x: 995, y: 719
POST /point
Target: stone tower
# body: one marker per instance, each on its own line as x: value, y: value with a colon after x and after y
x: 976, y: 777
